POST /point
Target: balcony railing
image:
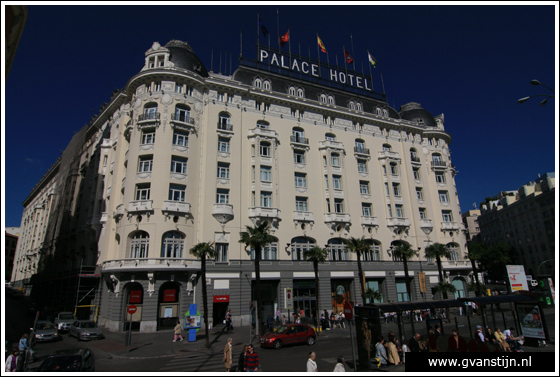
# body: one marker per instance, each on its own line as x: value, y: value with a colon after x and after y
x: 334, y: 217
x: 398, y: 221
x: 225, y: 126
x: 361, y: 150
x: 299, y: 140
x: 388, y: 154
x: 266, y: 212
x: 370, y: 221
x: 415, y: 159
x: 303, y: 216
x: 182, y: 118
x: 149, y: 117
x: 140, y: 206
x: 150, y: 263
x: 174, y: 206
x: 439, y: 164
x: 450, y: 225
x: 330, y: 144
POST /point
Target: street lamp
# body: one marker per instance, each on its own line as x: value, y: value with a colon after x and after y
x: 543, y: 102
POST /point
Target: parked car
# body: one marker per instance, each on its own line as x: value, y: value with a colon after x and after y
x: 63, y: 320
x: 69, y: 360
x: 290, y: 334
x: 85, y: 330
x: 45, y: 331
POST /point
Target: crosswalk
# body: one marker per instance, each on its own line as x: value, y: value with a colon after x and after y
x: 195, y: 362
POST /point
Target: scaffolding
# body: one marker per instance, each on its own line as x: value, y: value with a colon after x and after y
x: 87, y: 288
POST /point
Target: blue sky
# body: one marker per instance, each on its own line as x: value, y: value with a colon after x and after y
x: 471, y: 63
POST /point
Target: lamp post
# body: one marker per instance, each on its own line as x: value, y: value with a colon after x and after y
x: 540, y: 265
x: 543, y: 102
x: 427, y: 229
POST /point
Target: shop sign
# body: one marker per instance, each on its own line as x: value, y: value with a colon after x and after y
x: 340, y: 290
x: 169, y: 295
x: 221, y: 298
x: 136, y: 296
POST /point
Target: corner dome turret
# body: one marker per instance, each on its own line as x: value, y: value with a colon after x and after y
x: 414, y: 112
x: 175, y: 54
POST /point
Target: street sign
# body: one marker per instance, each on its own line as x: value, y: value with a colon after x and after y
x: 131, y: 309
x: 348, y: 311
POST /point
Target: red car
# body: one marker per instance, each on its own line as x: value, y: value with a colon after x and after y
x: 290, y: 334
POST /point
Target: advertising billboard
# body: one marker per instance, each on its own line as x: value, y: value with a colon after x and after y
x: 517, y: 278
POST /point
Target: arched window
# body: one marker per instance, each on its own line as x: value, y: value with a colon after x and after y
x: 436, y: 159
x: 337, y: 249
x: 323, y: 98
x: 224, y: 122
x: 374, y: 251
x: 292, y: 91
x: 257, y: 83
x: 299, y: 245
x: 378, y: 111
x: 413, y: 155
x: 352, y: 105
x: 453, y: 250
x: 300, y: 92
x: 387, y: 147
x: 172, y: 245
x: 263, y: 124
x: 268, y: 251
x: 385, y: 113
x: 331, y: 137
x: 360, y: 146
x: 266, y: 85
x: 139, y: 244
x: 297, y: 135
x: 331, y: 100
x: 150, y: 112
x: 359, y: 106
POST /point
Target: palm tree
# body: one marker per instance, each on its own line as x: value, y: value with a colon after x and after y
x: 438, y: 251
x: 257, y: 237
x: 374, y: 295
x: 202, y: 251
x: 405, y: 252
x: 476, y: 252
x: 316, y: 255
x: 359, y: 246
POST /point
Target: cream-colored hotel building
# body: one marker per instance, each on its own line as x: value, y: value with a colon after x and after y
x: 181, y: 155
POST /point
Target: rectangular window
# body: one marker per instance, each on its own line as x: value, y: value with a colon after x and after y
x: 148, y: 137
x: 396, y: 189
x: 105, y: 160
x: 178, y: 88
x: 328, y: 206
x: 189, y: 90
x: 145, y: 164
x: 257, y: 106
x: 399, y: 208
x: 223, y: 170
x: 264, y: 149
x: 301, y: 204
x: 177, y: 192
x: 299, y: 156
x: 223, y: 145
x: 416, y: 172
x: 446, y: 216
x: 293, y: 113
x: 364, y: 187
x: 220, y: 97
x: 267, y: 107
x: 224, y: 123
x: 335, y: 160
x: 326, y: 182
x: 181, y: 138
x: 222, y: 252
x: 394, y: 169
x: 366, y: 209
x: 230, y: 98
x: 300, y: 180
x: 222, y: 196
x: 402, y: 294
x: 337, y: 182
x: 419, y: 193
x: 384, y: 169
x: 178, y: 165
x: 157, y: 86
x: 266, y: 175
x: 387, y: 189
x: 339, y: 205
x: 266, y: 199
x: 440, y: 177
x: 362, y: 166
x: 389, y: 210
x: 443, y: 197
x: 142, y: 191
x: 422, y: 213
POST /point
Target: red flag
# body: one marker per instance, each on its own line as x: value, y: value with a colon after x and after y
x: 349, y: 59
x: 285, y: 38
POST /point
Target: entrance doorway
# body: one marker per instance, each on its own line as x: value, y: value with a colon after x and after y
x: 219, y: 311
x: 168, y: 305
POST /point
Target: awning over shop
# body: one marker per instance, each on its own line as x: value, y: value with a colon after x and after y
x: 390, y: 307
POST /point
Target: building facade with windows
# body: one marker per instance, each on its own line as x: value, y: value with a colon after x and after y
x: 181, y: 155
x: 525, y: 220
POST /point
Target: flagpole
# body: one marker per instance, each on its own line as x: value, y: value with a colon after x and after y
x: 220, y: 70
x: 353, y: 60
x: 345, y: 66
x: 370, y: 74
x: 241, y: 44
x: 212, y: 61
x: 383, y: 85
x: 278, y: 28
x: 289, y: 50
x: 318, y: 53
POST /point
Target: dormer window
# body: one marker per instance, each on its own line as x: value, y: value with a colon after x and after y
x: 292, y: 91
x: 300, y: 92
x: 257, y: 83
x: 331, y: 100
x: 263, y: 125
x: 352, y: 105
x: 330, y: 137
x: 385, y: 113
x: 359, y: 106
x: 323, y: 98
x: 378, y: 111
x: 266, y: 85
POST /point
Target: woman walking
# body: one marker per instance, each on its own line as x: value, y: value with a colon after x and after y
x: 241, y: 360
x: 228, y: 358
x: 178, y: 331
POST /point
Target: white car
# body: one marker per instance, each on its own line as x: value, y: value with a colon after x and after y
x: 85, y: 330
x: 64, y: 320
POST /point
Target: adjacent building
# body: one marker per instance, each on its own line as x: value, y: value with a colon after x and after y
x: 11, y: 238
x: 182, y: 155
x: 524, y: 219
x: 470, y: 221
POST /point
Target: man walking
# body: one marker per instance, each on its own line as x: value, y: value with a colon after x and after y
x: 251, y: 360
x: 228, y: 325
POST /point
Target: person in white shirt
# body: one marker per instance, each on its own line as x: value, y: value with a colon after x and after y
x: 339, y: 367
x: 311, y: 364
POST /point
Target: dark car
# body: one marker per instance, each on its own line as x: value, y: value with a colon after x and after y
x: 85, y: 330
x: 290, y: 334
x: 45, y: 331
x: 69, y: 360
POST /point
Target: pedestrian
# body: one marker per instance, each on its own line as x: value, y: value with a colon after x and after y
x: 393, y: 357
x: 500, y: 337
x: 241, y: 360
x: 479, y: 334
x: 283, y: 320
x: 177, y: 332
x: 228, y: 358
x: 270, y: 322
x: 278, y: 316
x: 22, y: 347
x: 438, y: 331
x: 323, y: 322
x: 380, y: 352
x: 405, y: 349
x: 227, y: 320
x: 512, y: 340
x: 413, y: 343
x: 339, y: 367
x: 251, y: 360
x: 11, y: 361
x: 311, y: 364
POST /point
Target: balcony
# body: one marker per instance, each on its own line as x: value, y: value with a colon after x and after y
x: 140, y: 206
x: 139, y: 264
x: 303, y: 217
x: 439, y: 165
x: 183, y: 121
x: 398, y: 225
x: 118, y: 212
x: 456, y: 264
x: 370, y: 221
x: 171, y: 207
x: 451, y: 226
x: 338, y: 221
x: 225, y: 127
x: 415, y: 160
x: 331, y: 144
x: 148, y: 118
x: 388, y: 155
x: 299, y: 140
x: 259, y: 214
x: 361, y: 151
x: 262, y: 133
x: 426, y: 225
x: 223, y: 213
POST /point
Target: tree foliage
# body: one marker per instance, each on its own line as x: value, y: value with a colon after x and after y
x: 316, y: 255
x: 360, y: 247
